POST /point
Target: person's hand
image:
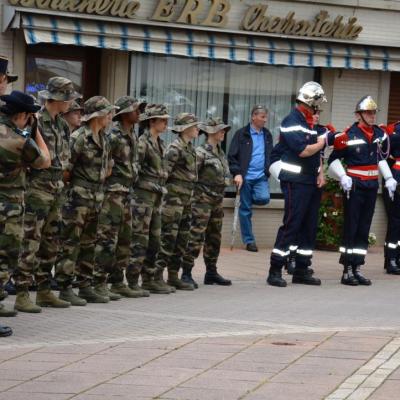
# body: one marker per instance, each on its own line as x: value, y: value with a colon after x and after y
x: 238, y: 181
x: 346, y: 183
x: 391, y: 185
x: 321, y: 181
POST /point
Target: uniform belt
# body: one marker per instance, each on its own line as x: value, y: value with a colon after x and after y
x: 153, y: 179
x: 51, y: 175
x: 186, y: 184
x: 98, y: 187
x: 363, y: 172
x: 128, y: 182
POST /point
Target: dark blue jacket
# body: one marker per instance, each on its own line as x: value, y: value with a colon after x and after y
x: 395, y: 152
x: 295, y: 136
x: 355, y: 150
x: 241, y: 149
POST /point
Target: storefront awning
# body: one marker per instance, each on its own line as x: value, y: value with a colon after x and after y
x: 212, y: 45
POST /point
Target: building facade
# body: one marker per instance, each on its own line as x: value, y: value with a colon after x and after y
x: 214, y: 57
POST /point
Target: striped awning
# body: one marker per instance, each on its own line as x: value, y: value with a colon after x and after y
x: 212, y: 45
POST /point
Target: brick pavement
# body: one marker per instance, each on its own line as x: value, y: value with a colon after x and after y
x: 249, y: 341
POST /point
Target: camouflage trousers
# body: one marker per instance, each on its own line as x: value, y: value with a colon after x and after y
x: 114, y: 232
x: 176, y: 214
x: 146, y: 230
x: 11, y: 232
x: 78, y: 237
x: 206, y: 229
x: 41, y: 241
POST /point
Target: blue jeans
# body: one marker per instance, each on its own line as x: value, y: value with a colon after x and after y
x: 252, y: 192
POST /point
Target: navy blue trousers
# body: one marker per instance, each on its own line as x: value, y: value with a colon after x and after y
x: 300, y: 223
x: 392, y: 241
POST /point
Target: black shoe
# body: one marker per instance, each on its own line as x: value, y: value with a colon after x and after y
x: 348, y: 277
x: 5, y: 331
x: 275, y: 279
x: 9, y: 287
x: 362, y: 280
x: 290, y: 266
x: 251, y: 247
x: 211, y: 278
x: 391, y: 266
x: 305, y: 278
x: 187, y: 278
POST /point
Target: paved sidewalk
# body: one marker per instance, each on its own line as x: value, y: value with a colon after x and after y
x: 249, y: 341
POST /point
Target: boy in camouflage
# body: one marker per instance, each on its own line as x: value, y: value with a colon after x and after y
x: 115, y: 220
x: 146, y: 204
x: 180, y: 159
x: 20, y: 147
x: 89, y: 165
x: 73, y: 116
x: 43, y: 200
x: 207, y: 210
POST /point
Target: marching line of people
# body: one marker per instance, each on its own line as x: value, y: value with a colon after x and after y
x: 110, y: 211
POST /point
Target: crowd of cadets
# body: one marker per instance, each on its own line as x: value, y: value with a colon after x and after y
x: 82, y: 194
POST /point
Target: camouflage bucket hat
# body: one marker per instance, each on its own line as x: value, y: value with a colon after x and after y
x: 128, y: 104
x: 154, y: 111
x: 214, y: 125
x: 97, y: 106
x: 74, y: 106
x: 59, y: 89
x: 184, y: 121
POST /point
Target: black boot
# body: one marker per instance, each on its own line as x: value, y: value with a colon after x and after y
x: 305, y: 277
x: 275, y: 277
x: 362, y: 280
x: 187, y: 277
x: 213, y: 277
x: 348, y: 277
x: 290, y: 265
x: 391, y: 266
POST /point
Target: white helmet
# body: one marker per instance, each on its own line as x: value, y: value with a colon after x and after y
x: 312, y: 94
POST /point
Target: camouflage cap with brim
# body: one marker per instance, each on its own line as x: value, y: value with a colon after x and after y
x: 214, y: 125
x: 97, y: 106
x: 127, y: 104
x: 154, y: 111
x: 74, y: 106
x: 184, y: 121
x: 59, y: 89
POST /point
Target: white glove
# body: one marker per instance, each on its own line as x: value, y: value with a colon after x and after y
x: 346, y: 183
x: 391, y: 185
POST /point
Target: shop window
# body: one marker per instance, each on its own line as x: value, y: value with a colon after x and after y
x: 394, y: 97
x: 217, y: 88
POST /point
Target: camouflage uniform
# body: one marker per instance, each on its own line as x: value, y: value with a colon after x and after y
x: 89, y: 165
x: 146, y: 204
x: 180, y: 158
x: 115, y: 220
x: 13, y: 163
x: 44, y: 195
x: 207, y: 209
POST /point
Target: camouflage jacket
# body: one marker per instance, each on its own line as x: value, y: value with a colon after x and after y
x: 12, y: 167
x: 152, y: 173
x: 55, y: 133
x: 89, y: 163
x: 123, y: 146
x: 213, y: 173
x: 180, y: 159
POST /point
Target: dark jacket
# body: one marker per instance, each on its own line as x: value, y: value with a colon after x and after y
x: 241, y: 149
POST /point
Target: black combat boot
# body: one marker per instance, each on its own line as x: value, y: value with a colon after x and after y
x: 187, y: 277
x: 275, y: 277
x: 213, y: 277
x: 305, y: 277
x: 391, y: 266
x: 362, y: 280
x: 348, y: 277
x: 291, y: 264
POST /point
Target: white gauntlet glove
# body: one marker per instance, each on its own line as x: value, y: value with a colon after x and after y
x: 391, y: 185
x: 346, y: 183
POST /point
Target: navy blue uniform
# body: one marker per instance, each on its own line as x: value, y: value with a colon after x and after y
x: 392, y: 242
x: 298, y: 179
x: 361, y: 155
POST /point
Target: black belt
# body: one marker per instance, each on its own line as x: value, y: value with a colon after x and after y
x: 98, y: 187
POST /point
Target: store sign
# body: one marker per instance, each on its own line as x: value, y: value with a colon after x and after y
x: 213, y: 13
